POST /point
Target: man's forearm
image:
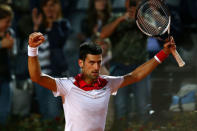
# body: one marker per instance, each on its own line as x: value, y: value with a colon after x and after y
x: 34, y: 68
x: 145, y: 69
x: 108, y: 29
x: 140, y: 72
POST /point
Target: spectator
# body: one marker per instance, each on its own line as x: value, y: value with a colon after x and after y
x: 98, y: 13
x: 106, y: 55
x: 129, y: 51
x: 68, y: 6
x: 6, y: 44
x: 49, y: 21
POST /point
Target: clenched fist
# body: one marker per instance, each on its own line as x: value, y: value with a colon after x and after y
x: 169, y: 46
x: 7, y: 41
x: 35, y: 39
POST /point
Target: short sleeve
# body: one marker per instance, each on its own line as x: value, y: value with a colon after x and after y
x: 63, y: 86
x: 115, y: 82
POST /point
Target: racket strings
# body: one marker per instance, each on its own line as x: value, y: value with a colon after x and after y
x: 149, y: 24
x: 152, y: 18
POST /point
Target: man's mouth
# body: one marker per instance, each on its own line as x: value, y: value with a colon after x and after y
x: 95, y: 73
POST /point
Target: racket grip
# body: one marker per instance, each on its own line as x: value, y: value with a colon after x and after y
x: 178, y: 58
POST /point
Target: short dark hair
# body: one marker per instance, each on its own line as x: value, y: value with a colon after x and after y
x: 89, y: 48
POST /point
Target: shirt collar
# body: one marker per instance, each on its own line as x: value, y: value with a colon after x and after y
x: 99, y: 83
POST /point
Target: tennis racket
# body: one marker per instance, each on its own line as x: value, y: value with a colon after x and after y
x: 153, y: 19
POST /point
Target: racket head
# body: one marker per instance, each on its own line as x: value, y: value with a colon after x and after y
x: 153, y: 17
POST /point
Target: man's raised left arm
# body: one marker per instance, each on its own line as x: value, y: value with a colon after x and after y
x: 143, y: 70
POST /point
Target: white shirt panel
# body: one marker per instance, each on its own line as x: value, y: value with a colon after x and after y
x: 85, y: 110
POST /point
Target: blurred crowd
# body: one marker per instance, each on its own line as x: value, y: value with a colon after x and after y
x: 110, y: 23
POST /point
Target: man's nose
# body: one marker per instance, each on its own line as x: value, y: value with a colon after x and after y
x: 97, y: 66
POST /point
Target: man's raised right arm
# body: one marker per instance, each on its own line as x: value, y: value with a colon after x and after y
x: 35, y: 39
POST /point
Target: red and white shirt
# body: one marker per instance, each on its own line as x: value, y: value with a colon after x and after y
x: 85, y: 110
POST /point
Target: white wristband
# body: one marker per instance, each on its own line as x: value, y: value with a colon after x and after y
x: 32, y: 51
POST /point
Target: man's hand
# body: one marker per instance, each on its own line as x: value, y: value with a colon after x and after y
x: 37, y: 18
x: 35, y: 39
x: 169, y: 46
x: 7, y: 41
x: 131, y: 11
x: 129, y: 15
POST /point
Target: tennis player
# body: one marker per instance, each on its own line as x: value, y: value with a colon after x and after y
x: 86, y: 96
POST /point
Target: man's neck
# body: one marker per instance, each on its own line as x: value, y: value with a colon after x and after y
x: 87, y: 80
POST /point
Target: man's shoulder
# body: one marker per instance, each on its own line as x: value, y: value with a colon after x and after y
x: 108, y: 77
x: 104, y: 76
x: 65, y: 79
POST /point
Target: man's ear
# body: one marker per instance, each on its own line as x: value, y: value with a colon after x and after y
x: 80, y: 62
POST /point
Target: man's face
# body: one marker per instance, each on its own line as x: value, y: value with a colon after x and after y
x: 91, y: 66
